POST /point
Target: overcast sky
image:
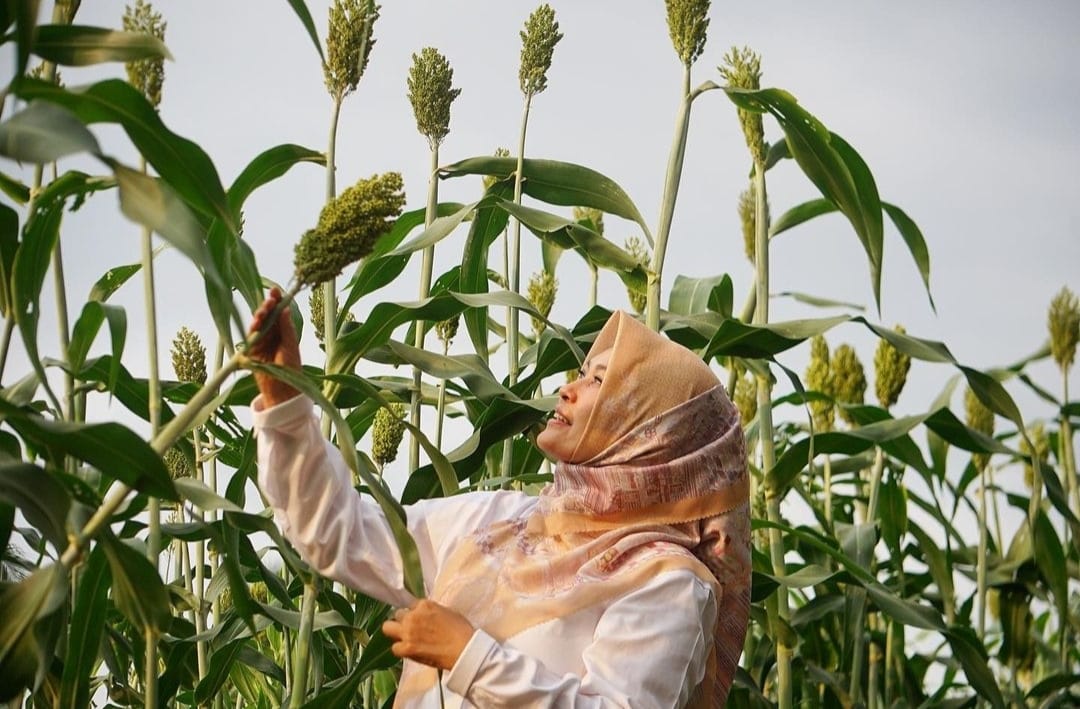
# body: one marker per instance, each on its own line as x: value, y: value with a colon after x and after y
x: 966, y: 113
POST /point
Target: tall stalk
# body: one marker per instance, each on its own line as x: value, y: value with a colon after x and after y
x: 672, y: 177
x: 302, y: 651
x: 781, y: 634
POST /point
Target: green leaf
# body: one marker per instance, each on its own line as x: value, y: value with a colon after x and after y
x: 266, y: 167
x: 110, y: 447
x: 799, y: 214
x: 488, y: 223
x: 9, y: 247
x: 972, y: 656
x: 739, y: 339
x: 21, y: 606
x: 43, y: 132
x: 472, y: 370
x: 818, y: 302
x: 87, y: 627
x: 181, y: 163
x: 830, y: 163
x: 86, y: 329
x: 1051, y: 561
x: 435, y: 232
x: 220, y: 663
x: 14, y: 188
x: 79, y: 45
x: 136, y: 588
x: 690, y: 296
x: 940, y: 569
x: 916, y: 244
x: 24, y: 14
x: 560, y: 183
x: 43, y: 501
x: 301, y: 10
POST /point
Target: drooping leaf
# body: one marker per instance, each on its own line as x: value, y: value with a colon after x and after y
x: 301, y: 10
x: 41, y: 499
x: 79, y: 45
x: 86, y: 329
x: 87, y: 626
x: 972, y: 656
x: 110, y: 447
x: 137, y: 589
x: 21, y: 606
x: 43, y: 132
x: 181, y: 163
x: 560, y: 183
x: 799, y: 214
x: 690, y: 296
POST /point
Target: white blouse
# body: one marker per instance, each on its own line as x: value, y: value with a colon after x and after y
x: 646, y: 649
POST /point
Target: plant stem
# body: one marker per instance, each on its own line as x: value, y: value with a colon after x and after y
x: 5, y: 342
x: 780, y: 630
x: 426, y: 268
x: 667, y: 204
x: 302, y: 651
x: 200, y: 572
x: 827, y: 483
x: 594, y: 282
x: 1068, y: 453
x: 981, y: 561
x: 440, y: 406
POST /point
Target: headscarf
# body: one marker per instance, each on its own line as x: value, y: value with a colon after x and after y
x: 662, y: 485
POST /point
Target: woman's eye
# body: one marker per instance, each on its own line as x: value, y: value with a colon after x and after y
x: 598, y: 380
x: 581, y: 372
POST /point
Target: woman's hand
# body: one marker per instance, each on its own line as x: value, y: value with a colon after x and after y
x: 277, y: 345
x: 429, y: 633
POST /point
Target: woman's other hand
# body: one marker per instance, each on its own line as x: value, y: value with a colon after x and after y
x: 277, y: 345
x: 429, y: 633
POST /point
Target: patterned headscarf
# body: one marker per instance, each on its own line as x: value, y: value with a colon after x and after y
x: 663, y: 485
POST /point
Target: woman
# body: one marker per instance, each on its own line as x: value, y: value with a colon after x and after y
x: 624, y: 583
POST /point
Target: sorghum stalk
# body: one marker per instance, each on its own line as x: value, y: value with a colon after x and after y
x: 147, y: 75
x: 431, y: 94
x: 200, y: 572
x: 981, y: 419
x: 1064, y: 326
x: 302, y: 651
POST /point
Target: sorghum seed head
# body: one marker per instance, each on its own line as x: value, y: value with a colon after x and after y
x: 541, y: 292
x: 981, y: 419
x: 688, y: 21
x: 1039, y: 448
x: 317, y: 306
x: 538, y: 41
x: 742, y: 69
x: 849, y: 379
x: 748, y: 219
x: 146, y: 75
x: 745, y: 398
x: 445, y: 330
x: 177, y: 464
x: 188, y: 357
x: 637, y: 249
x: 348, y: 227
x: 819, y: 378
x: 386, y: 433
x: 431, y: 93
x: 348, y: 44
x: 890, y: 371
x: 1064, y: 322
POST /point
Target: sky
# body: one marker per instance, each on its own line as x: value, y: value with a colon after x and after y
x: 966, y: 113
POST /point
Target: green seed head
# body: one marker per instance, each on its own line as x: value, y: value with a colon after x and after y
x: 745, y: 398
x: 538, y: 41
x: 849, y: 379
x: 981, y: 419
x: 146, y: 75
x: 348, y: 227
x: 189, y: 357
x: 819, y: 378
x: 1039, y: 448
x: 177, y: 464
x: 637, y: 249
x: 348, y: 44
x: 890, y: 371
x: 317, y: 306
x: 431, y: 93
x: 541, y: 293
x: 688, y: 21
x: 1064, y: 321
x: 748, y: 219
x: 594, y: 216
x: 742, y: 69
x: 489, y: 180
x: 445, y: 330
x: 386, y: 433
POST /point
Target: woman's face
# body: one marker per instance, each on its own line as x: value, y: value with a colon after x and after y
x: 577, y: 399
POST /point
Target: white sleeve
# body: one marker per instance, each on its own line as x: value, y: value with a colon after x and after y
x: 650, y: 651
x: 341, y: 534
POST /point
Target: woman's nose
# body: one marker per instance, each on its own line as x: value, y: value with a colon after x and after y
x: 566, y: 392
